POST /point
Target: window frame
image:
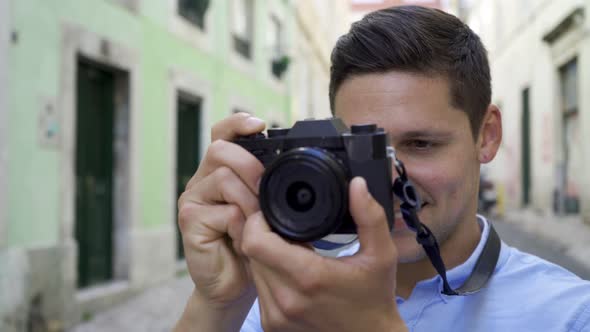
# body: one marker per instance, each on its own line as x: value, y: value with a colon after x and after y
x: 243, y: 45
x: 199, y: 20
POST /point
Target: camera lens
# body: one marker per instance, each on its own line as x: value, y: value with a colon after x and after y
x: 304, y: 194
x: 300, y: 196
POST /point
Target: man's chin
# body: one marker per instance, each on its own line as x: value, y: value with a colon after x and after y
x: 408, y: 250
x: 402, y: 234
x: 412, y: 257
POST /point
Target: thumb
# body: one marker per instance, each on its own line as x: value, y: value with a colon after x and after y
x: 369, y: 217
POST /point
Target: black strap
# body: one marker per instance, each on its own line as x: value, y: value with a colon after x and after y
x: 482, y: 271
x: 486, y: 263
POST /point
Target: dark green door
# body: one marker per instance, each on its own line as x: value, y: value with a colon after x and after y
x: 188, y: 143
x: 94, y: 173
x: 526, y: 148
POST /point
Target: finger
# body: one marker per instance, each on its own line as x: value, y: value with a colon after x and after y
x: 280, y: 300
x: 269, y: 309
x: 268, y: 248
x: 223, y: 186
x: 222, y: 153
x: 235, y: 229
x: 239, y: 124
x: 370, y: 219
x: 201, y: 225
x: 221, y: 269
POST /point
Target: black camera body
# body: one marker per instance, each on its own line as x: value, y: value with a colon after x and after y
x: 304, y: 189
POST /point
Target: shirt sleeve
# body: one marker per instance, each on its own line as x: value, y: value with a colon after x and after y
x: 252, y: 322
x: 582, y: 321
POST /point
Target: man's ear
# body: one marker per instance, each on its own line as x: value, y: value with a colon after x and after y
x: 490, y: 134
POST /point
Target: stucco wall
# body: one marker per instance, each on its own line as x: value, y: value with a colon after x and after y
x: 513, y: 32
x: 4, y: 44
x: 35, y: 75
x: 318, y: 24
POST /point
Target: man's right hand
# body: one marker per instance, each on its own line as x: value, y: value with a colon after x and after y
x: 212, y: 213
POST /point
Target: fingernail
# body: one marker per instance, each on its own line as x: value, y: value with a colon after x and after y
x: 254, y: 122
x: 364, y: 185
x: 243, y: 114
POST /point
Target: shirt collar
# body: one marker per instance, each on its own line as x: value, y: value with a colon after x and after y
x: 459, y: 274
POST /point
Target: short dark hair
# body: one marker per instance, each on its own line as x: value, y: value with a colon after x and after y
x: 419, y: 40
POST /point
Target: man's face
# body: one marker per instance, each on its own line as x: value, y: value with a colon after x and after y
x: 432, y: 139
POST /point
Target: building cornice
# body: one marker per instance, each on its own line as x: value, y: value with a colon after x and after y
x: 574, y: 19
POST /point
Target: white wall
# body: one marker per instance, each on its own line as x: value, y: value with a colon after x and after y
x: 513, y: 34
x: 318, y: 25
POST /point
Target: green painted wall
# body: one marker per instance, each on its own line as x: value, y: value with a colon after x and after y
x: 34, y: 173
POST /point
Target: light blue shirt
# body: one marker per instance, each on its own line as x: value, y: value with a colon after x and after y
x: 525, y: 293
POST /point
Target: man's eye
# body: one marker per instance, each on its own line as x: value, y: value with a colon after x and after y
x: 419, y: 144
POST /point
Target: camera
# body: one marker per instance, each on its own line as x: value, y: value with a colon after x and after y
x: 304, y: 189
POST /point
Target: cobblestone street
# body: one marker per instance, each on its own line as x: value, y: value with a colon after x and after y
x: 158, y: 309
x: 552, y: 251
x: 155, y: 310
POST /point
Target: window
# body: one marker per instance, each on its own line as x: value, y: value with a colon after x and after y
x: 131, y: 5
x: 279, y: 61
x: 194, y: 11
x: 569, y: 87
x: 274, y: 36
x: 242, y: 26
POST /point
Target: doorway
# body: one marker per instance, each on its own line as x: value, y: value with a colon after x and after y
x: 572, y: 167
x: 526, y: 148
x: 188, y: 142
x: 101, y: 177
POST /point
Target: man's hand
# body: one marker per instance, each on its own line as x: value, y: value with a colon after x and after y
x: 299, y: 290
x: 212, y: 213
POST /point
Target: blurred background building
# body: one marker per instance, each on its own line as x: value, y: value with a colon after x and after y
x: 106, y: 108
x: 362, y: 7
x: 540, y: 59
x: 319, y: 23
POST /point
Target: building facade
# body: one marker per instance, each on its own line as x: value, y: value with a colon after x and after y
x: 361, y: 7
x: 318, y: 24
x: 4, y: 42
x: 105, y: 111
x: 540, y: 57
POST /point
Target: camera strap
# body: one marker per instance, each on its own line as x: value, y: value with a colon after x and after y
x: 411, y: 203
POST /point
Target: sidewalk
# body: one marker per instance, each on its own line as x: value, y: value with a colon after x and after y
x: 570, y: 232
x: 155, y: 310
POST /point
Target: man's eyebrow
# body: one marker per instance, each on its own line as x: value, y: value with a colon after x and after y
x: 424, y: 134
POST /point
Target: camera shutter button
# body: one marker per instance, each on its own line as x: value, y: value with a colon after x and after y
x: 363, y: 129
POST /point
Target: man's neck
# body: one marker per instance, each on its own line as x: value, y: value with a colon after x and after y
x: 454, y: 251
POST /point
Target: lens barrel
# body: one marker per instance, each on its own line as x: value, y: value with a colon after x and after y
x: 304, y: 194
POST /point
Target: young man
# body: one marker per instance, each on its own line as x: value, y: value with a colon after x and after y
x: 423, y: 76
